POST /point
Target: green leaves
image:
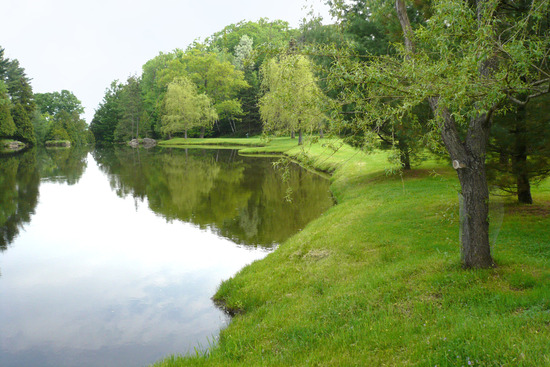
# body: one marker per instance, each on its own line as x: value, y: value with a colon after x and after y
x: 185, y: 108
x: 292, y: 100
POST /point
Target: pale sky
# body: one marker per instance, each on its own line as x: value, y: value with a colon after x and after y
x: 82, y: 46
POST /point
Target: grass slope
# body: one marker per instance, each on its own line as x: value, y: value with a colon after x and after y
x: 377, y: 281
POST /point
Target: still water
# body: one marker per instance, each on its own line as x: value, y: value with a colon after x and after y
x: 111, y: 257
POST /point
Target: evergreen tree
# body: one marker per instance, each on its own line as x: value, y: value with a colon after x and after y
x: 107, y: 115
x: 25, y: 130
x: 7, y: 126
x: 132, y: 109
x: 23, y: 106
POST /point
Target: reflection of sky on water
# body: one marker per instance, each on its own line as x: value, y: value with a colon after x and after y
x: 98, y: 280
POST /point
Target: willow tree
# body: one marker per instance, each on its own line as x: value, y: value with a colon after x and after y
x: 466, y: 62
x: 185, y: 108
x: 292, y: 100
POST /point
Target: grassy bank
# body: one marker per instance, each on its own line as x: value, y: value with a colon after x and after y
x: 376, y: 280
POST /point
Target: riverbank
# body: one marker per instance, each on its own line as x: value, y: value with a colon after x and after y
x: 376, y: 280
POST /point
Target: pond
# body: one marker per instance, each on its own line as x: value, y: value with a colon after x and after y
x: 111, y: 257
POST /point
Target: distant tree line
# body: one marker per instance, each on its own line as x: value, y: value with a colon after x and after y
x: 36, y: 118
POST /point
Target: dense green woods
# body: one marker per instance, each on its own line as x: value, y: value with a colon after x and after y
x: 37, y: 118
x: 223, y: 100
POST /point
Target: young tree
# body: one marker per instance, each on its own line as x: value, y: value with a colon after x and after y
x: 292, y: 97
x: 185, y: 108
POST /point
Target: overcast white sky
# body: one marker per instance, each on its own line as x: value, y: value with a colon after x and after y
x: 82, y: 46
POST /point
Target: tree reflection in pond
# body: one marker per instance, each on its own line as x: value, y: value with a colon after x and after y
x: 241, y: 198
x: 20, y: 176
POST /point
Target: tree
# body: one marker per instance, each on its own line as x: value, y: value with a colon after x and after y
x: 153, y: 89
x: 292, y: 99
x: 7, y: 126
x: 243, y: 52
x: 185, y: 108
x: 55, y: 102
x: 19, y: 86
x: 132, y: 110
x: 57, y: 131
x: 519, y: 148
x: 107, y: 115
x: 23, y: 124
x: 22, y: 102
x: 58, y: 118
x: 3, y: 64
x: 467, y: 60
x: 366, y: 30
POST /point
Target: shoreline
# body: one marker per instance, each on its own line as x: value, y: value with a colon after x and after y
x: 377, y: 278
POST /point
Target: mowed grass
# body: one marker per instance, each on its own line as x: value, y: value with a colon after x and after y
x: 377, y: 281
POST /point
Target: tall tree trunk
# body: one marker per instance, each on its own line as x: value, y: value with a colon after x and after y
x: 468, y: 157
x: 321, y: 133
x: 185, y: 133
x: 203, y: 130
x: 474, y: 218
x: 300, y: 137
x: 292, y: 134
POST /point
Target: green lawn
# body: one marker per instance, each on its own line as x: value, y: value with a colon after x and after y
x: 377, y: 281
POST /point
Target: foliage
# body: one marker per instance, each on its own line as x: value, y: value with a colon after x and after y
x: 25, y: 130
x: 108, y: 114
x: 292, y: 100
x: 267, y: 36
x: 519, y: 150
x: 466, y: 61
x: 58, y: 118
x: 55, y: 102
x: 128, y: 127
x: 7, y: 126
x: 15, y: 95
x: 185, y: 108
x: 243, y: 52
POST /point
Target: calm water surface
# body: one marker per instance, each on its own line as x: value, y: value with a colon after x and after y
x: 110, y: 258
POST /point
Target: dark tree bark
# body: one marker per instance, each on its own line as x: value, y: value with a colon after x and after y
x: 300, y: 137
x: 468, y: 156
x: 203, y: 130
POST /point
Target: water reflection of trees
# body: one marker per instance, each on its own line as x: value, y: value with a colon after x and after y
x: 239, y: 198
x: 19, y: 181
x: 20, y: 176
x: 64, y: 165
